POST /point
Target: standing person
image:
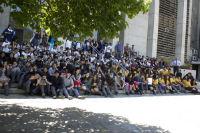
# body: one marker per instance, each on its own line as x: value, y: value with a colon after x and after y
x: 108, y: 51
x: 119, y: 50
x: 127, y: 50
x: 84, y: 46
x: 176, y: 65
x: 35, y: 41
x: 51, y: 42
x: 44, y: 41
x: 68, y: 44
x: 9, y: 35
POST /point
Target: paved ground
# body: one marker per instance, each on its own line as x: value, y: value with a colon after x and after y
x: 149, y: 114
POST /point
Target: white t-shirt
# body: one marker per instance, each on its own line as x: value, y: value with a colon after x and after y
x: 17, y: 55
x: 78, y: 45
x: 5, y: 44
x: 108, y: 49
x: 88, y: 44
x: 24, y: 54
x: 6, y: 49
x: 176, y: 63
x: 92, y: 58
x: 63, y: 41
x: 149, y: 81
x: 68, y: 44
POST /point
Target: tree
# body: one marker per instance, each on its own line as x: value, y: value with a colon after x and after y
x: 82, y: 17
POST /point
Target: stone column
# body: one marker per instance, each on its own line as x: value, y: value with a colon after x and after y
x: 181, y: 30
x: 4, y: 18
x: 198, y: 30
x: 189, y: 54
x: 152, y: 37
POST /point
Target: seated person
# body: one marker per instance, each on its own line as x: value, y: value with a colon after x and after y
x: 138, y: 85
x: 174, y: 84
x: 155, y: 83
x: 95, y: 86
x: 57, y: 85
x: 105, y: 89
x: 69, y: 86
x: 169, y: 85
x: 87, y: 83
x: 77, y: 84
x: 119, y: 83
x: 162, y: 85
x: 30, y: 84
x: 43, y: 85
x: 4, y: 81
x: 187, y: 85
x: 152, y: 84
x: 129, y: 85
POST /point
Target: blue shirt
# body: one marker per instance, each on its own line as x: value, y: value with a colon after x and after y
x: 119, y: 47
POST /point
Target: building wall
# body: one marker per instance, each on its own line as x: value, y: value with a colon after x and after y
x: 167, y: 28
x: 194, y: 25
x: 4, y: 19
x: 136, y: 33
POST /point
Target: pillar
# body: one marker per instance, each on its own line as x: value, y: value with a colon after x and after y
x: 152, y: 37
x: 181, y: 30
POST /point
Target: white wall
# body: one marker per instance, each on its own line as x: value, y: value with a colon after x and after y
x: 136, y: 32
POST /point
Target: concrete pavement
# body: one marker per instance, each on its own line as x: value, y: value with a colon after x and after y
x: 176, y: 114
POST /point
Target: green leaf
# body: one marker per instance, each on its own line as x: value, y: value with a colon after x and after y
x: 82, y: 17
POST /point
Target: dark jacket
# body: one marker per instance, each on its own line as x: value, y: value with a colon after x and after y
x: 8, y: 35
x: 58, y: 83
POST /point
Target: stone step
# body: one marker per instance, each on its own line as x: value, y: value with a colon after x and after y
x: 121, y: 91
x: 13, y: 85
x: 13, y: 91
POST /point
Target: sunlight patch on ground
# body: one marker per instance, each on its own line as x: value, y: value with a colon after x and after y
x: 178, y: 114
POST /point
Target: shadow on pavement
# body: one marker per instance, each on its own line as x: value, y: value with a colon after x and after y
x: 16, y: 119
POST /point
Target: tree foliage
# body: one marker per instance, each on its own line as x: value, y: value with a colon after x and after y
x: 82, y: 17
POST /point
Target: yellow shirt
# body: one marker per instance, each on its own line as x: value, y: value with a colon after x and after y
x: 161, y: 81
x: 155, y: 82
x: 172, y: 80
x: 170, y: 72
x: 165, y: 72
x: 168, y: 82
x: 177, y: 80
x: 186, y: 83
x: 126, y: 73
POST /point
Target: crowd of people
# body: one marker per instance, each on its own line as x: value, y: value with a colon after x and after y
x: 76, y: 69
